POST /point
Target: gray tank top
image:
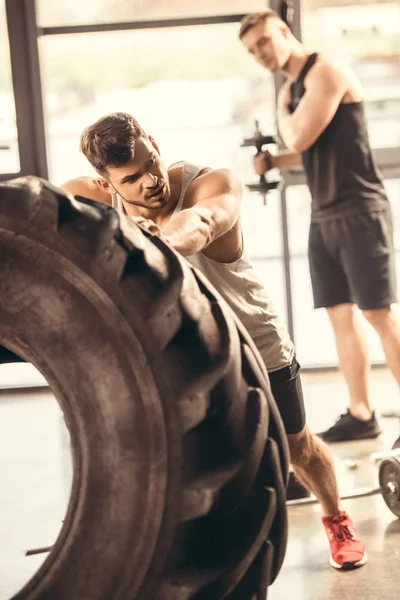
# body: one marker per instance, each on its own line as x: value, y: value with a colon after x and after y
x: 238, y: 285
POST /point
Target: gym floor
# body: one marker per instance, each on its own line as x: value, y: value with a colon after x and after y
x: 33, y: 497
x: 306, y: 574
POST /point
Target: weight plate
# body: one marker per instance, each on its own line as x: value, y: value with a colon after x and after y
x: 263, y: 188
x: 389, y: 472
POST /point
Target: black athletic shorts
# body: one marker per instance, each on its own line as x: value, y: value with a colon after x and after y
x: 351, y: 259
x: 287, y: 391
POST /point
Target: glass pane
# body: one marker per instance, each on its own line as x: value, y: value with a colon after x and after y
x: 315, y: 344
x: 35, y: 472
x: 9, y: 156
x: 263, y: 225
x: 198, y: 105
x: 365, y: 36
x: 111, y: 11
x: 262, y: 234
x: 313, y: 335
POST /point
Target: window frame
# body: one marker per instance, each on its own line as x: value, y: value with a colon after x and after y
x: 24, y: 32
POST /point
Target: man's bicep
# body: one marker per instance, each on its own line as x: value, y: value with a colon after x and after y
x: 218, y: 196
x: 220, y: 186
x: 317, y: 109
x: 321, y: 103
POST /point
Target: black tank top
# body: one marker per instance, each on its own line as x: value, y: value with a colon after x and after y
x: 341, y: 172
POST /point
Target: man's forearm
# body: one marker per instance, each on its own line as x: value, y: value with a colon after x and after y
x: 288, y: 160
x: 188, y: 232
x: 286, y: 128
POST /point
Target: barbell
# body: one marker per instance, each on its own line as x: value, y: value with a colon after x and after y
x: 389, y: 488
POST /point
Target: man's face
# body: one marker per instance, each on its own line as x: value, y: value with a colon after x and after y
x: 269, y: 44
x: 144, y: 180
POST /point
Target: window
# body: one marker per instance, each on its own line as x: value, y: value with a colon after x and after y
x: 34, y: 491
x: 198, y: 105
x: 365, y: 36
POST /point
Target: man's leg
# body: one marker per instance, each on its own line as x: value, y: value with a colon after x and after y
x: 359, y: 422
x: 331, y: 290
x: 367, y: 257
x: 313, y: 466
x: 310, y: 457
x: 387, y: 324
x: 352, y: 349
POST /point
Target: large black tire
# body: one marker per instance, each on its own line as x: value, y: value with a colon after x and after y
x: 180, y: 460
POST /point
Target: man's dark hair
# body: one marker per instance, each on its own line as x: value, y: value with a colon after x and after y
x: 111, y: 141
x: 250, y: 21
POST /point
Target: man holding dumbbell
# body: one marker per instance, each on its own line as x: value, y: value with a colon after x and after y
x: 320, y: 114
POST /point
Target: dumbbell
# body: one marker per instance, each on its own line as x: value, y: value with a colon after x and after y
x: 259, y: 140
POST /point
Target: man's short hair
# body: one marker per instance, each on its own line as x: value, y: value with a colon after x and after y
x: 250, y: 21
x: 111, y: 141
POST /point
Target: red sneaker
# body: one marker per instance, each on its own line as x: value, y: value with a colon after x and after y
x: 347, y: 552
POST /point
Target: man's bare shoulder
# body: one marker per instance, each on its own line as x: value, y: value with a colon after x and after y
x: 222, y: 178
x: 88, y: 188
x: 333, y: 73
x: 211, y: 183
x: 325, y: 70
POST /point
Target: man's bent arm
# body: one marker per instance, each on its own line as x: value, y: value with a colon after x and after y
x: 325, y: 89
x: 214, y: 210
x: 265, y: 161
x: 287, y: 160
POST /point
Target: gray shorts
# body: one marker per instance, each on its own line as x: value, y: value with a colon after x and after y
x: 351, y: 259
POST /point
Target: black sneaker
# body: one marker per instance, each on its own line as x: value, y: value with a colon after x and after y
x: 349, y: 428
x: 396, y: 445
